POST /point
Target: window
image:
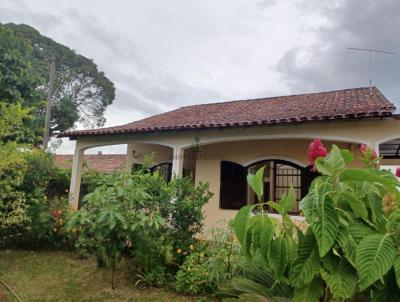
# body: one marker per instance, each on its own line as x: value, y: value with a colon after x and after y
x: 233, y: 186
x: 279, y: 176
x: 164, y: 169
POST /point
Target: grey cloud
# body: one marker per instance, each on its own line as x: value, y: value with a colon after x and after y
x: 327, y: 64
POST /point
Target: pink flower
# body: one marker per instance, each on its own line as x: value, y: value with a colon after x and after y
x: 315, y: 149
x: 367, y: 151
x: 398, y: 172
x: 363, y: 149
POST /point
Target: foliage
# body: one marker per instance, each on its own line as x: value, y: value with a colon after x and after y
x: 194, y: 277
x: 81, y: 91
x: 135, y: 214
x: 210, y: 264
x: 47, y: 227
x: 18, y: 83
x: 350, y: 249
x: 13, y: 216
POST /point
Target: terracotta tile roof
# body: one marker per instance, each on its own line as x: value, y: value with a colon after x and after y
x: 98, y: 162
x: 356, y: 103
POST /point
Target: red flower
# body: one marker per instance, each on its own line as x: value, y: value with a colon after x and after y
x: 56, y: 213
x: 315, y: 149
x: 367, y: 151
x: 398, y: 172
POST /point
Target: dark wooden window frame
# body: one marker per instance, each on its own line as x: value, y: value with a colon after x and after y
x: 306, y: 177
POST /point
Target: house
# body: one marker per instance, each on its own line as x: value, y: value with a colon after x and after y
x: 99, y: 162
x: 220, y: 143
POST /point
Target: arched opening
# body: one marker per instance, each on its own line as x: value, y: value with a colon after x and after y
x: 279, y: 176
x: 390, y: 153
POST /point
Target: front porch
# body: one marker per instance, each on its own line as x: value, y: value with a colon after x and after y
x: 223, y: 157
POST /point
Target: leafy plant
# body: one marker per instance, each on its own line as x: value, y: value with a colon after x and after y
x: 350, y: 249
x: 143, y: 216
x: 210, y: 264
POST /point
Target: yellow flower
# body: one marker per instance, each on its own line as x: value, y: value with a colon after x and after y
x: 201, y: 255
x: 61, y: 221
x: 179, y: 251
x: 55, y: 230
x: 191, y: 247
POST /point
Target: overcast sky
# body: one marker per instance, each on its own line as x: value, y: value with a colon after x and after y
x: 165, y: 54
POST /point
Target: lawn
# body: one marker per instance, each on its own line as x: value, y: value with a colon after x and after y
x: 63, y: 276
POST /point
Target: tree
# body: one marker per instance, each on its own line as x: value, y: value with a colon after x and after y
x: 81, y: 91
x: 19, y: 82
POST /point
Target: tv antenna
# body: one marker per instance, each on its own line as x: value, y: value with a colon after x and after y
x: 370, y: 52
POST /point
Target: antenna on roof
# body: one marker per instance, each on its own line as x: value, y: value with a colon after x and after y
x: 370, y: 51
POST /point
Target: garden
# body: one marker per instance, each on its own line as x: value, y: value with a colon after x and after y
x: 136, y: 237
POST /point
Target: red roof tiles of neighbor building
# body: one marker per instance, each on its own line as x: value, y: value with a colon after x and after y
x: 98, y: 162
x: 356, y: 103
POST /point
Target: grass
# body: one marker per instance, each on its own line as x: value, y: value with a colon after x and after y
x: 62, y: 276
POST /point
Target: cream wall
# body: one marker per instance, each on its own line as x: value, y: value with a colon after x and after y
x: 244, y: 153
x: 251, y: 142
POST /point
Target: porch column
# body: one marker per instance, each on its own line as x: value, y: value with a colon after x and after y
x: 130, y: 158
x: 76, y: 175
x: 177, y: 162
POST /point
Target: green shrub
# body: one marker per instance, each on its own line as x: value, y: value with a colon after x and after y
x: 47, y: 227
x: 193, y: 276
x: 142, y: 215
x: 217, y: 261
x: 13, y: 218
x: 350, y: 251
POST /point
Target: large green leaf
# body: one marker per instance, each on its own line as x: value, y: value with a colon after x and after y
x: 357, y: 206
x: 287, y: 201
x: 310, y: 293
x: 342, y: 280
x: 326, y: 228
x: 350, y: 175
x: 241, y: 223
x: 397, y: 269
x: 278, y: 258
x: 309, y: 204
x: 265, y: 230
x: 256, y: 182
x: 359, y: 230
x: 332, y: 164
x: 374, y: 257
x: 307, y: 264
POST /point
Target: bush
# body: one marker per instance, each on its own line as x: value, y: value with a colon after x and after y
x: 138, y: 214
x: 217, y: 261
x: 13, y: 218
x: 350, y: 249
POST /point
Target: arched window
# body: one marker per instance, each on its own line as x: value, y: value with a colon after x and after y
x: 279, y: 176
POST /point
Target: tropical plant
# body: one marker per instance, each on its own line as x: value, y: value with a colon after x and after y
x: 350, y: 249
x: 112, y: 214
x: 137, y: 214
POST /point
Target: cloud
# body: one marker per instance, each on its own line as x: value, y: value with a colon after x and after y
x: 166, y: 54
x: 327, y: 64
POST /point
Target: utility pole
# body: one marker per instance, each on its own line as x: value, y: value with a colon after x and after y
x: 49, y: 103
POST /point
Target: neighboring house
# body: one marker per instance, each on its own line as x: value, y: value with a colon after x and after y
x: 220, y: 143
x: 106, y: 163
